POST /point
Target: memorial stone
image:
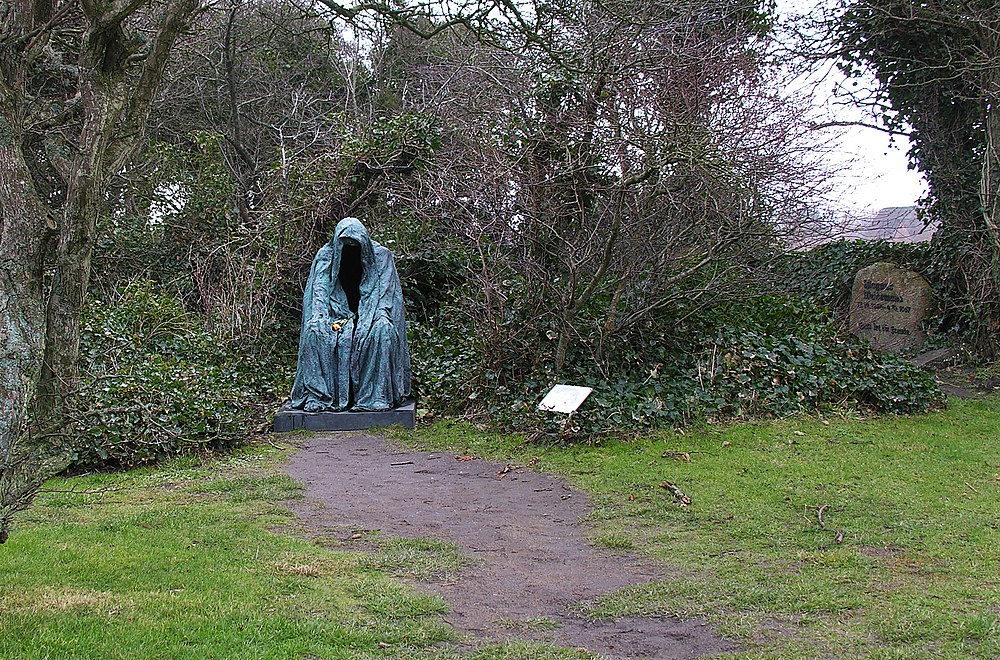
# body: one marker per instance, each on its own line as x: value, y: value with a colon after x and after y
x: 887, y: 305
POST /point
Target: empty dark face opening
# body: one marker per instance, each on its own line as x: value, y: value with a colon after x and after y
x: 351, y: 270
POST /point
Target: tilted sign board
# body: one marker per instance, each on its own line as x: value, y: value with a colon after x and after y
x: 564, y: 398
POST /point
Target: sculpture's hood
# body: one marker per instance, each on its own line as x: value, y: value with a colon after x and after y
x: 352, y: 228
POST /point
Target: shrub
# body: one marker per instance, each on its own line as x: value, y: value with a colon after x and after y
x: 770, y: 356
x: 156, y: 383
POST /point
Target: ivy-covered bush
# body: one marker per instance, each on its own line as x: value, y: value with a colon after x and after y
x: 751, y: 374
x: 159, y: 382
x: 156, y: 383
x: 825, y: 274
x: 767, y: 357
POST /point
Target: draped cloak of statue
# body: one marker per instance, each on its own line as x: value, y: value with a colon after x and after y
x: 352, y: 346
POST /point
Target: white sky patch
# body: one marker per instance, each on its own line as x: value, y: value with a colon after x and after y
x: 874, y: 172
x: 168, y: 198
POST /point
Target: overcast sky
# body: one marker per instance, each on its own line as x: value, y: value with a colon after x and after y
x: 876, y: 173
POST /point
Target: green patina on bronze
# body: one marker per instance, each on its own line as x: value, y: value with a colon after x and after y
x: 353, y: 353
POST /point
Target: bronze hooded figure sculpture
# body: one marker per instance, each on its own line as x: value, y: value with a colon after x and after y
x: 353, y: 353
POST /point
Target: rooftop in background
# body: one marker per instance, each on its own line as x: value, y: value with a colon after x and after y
x: 896, y: 224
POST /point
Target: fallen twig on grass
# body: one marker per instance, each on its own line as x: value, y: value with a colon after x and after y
x: 819, y: 514
x: 681, y: 497
x: 839, y: 537
x: 683, y: 455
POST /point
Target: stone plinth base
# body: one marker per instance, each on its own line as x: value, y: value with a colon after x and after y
x: 289, y: 419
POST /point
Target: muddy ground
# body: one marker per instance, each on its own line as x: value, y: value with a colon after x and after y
x: 523, y: 529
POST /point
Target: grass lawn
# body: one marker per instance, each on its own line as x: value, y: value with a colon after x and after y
x: 904, y: 564
x: 198, y: 558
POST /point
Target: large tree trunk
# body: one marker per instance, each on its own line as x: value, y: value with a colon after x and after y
x: 989, y: 296
x: 22, y: 317
x: 60, y: 377
x: 104, y: 98
x: 115, y: 116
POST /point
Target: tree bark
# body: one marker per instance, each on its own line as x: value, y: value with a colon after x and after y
x: 39, y: 343
x: 115, y: 117
x: 22, y: 317
x: 104, y: 99
x: 989, y: 191
x: 990, y: 197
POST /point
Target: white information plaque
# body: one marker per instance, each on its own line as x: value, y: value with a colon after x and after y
x: 564, y: 398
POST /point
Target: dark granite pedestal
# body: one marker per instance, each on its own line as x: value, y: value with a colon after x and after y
x: 289, y: 419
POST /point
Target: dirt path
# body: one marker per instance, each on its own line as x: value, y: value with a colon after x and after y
x: 532, y: 558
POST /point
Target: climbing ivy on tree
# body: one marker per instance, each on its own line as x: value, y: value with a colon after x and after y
x: 938, y: 70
